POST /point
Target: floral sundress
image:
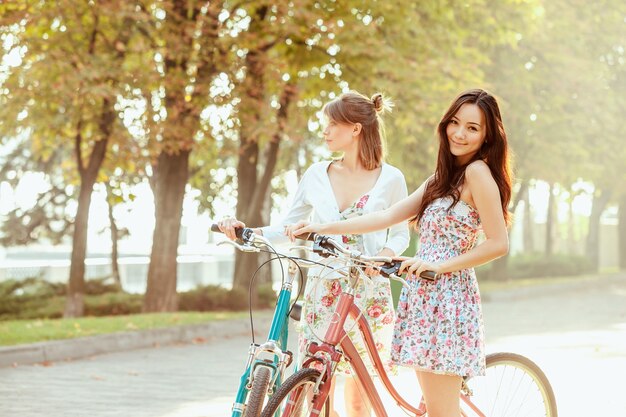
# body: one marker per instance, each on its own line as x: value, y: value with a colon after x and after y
x: 373, y: 297
x: 439, y: 326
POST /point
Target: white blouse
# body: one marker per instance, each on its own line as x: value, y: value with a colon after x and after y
x: 315, y: 201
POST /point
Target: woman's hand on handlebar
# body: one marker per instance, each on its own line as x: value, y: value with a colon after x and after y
x: 228, y: 225
x: 302, y: 227
x: 372, y: 271
x: 415, y: 266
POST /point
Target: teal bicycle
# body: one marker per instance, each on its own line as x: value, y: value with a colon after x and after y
x: 267, y: 361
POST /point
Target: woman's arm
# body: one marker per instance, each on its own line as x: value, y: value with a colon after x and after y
x: 299, y: 209
x: 366, y: 223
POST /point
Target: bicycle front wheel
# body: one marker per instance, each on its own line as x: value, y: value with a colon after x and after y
x: 258, y: 392
x: 513, y: 386
x: 294, y: 398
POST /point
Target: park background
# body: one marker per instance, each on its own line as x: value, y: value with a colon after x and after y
x: 127, y: 127
x: 124, y: 123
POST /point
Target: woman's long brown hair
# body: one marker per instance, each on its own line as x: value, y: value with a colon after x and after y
x: 494, y: 151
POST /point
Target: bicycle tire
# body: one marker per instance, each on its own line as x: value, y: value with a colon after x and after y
x: 294, y: 390
x: 258, y: 392
x: 514, y: 385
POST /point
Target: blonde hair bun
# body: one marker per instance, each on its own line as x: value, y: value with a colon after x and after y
x: 381, y: 103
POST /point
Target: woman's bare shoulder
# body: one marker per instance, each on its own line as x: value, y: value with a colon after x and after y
x: 478, y: 171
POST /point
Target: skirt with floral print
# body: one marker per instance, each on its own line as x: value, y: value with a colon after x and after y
x: 439, y: 327
x: 373, y: 299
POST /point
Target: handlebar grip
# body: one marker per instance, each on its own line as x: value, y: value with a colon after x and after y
x: 238, y: 230
x: 394, y: 268
x: 428, y: 275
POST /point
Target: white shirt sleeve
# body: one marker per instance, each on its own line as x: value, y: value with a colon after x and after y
x: 300, y: 210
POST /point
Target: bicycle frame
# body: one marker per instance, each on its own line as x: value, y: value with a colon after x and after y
x: 274, y: 348
x: 322, y: 359
x: 329, y: 356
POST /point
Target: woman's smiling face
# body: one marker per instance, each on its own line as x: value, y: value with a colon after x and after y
x: 466, y: 132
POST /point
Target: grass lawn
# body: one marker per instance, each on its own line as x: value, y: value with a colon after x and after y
x: 17, y: 332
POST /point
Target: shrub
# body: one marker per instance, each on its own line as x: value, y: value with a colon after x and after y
x: 267, y: 296
x: 215, y: 297
x: 539, y: 265
x: 113, y: 304
x: 36, y: 298
x: 31, y: 298
x: 555, y: 265
x: 103, y: 285
x: 212, y: 297
x: 36, y: 287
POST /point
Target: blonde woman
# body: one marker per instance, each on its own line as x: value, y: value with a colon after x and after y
x: 358, y: 183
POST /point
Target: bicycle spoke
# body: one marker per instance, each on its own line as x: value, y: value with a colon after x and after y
x: 512, y: 387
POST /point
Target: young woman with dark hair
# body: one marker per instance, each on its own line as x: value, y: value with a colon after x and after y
x: 358, y: 183
x: 439, y: 326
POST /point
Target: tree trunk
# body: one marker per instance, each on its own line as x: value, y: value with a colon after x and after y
x: 252, y: 105
x: 499, y: 267
x: 600, y: 200
x: 74, y: 305
x: 246, y: 263
x: 621, y: 233
x: 529, y: 246
x: 171, y: 173
x: 571, y: 235
x: 550, y: 223
x: 252, y: 189
x: 115, y: 267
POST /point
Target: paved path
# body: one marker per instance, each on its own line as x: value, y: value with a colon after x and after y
x: 578, y: 336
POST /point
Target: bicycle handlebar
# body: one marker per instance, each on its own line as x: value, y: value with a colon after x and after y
x: 326, y: 246
x: 390, y: 267
x: 246, y: 233
x: 243, y: 233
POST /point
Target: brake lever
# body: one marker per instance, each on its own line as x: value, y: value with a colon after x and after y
x: 243, y: 248
x: 307, y: 248
x: 400, y: 280
x: 392, y: 269
x: 323, y: 252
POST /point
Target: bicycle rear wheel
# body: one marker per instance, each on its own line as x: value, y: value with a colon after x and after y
x: 258, y: 392
x: 513, y: 386
x: 294, y: 398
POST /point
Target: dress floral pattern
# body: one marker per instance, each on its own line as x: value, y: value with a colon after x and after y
x: 372, y: 297
x: 439, y: 326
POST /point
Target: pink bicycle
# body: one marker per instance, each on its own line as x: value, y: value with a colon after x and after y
x: 513, y: 385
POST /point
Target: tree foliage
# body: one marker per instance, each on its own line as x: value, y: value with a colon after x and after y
x: 225, y: 97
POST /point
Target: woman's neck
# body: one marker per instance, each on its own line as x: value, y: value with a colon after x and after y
x: 351, y: 161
